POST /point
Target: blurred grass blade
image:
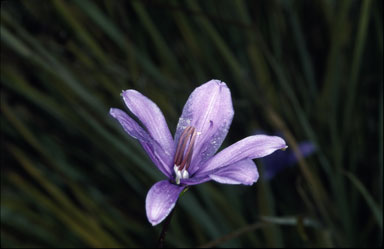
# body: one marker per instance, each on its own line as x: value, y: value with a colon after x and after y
x: 356, y: 61
x: 368, y: 198
x: 68, y: 207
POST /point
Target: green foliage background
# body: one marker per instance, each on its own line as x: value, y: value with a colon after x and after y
x: 70, y: 176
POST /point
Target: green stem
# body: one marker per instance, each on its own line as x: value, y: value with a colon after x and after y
x: 160, y: 242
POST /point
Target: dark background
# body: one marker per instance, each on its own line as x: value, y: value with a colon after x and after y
x: 309, y: 70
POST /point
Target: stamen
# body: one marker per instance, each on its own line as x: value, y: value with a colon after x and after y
x: 181, y: 145
x: 184, y: 152
x: 188, y: 155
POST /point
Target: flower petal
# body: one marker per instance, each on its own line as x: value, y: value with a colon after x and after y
x: 151, y: 117
x: 306, y: 148
x: 129, y: 125
x: 153, y: 149
x: 242, y: 172
x: 160, y: 201
x: 248, y: 148
x: 209, y: 109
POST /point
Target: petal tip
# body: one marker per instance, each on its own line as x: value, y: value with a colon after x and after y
x: 218, y: 82
x: 250, y: 183
x: 155, y: 217
x: 279, y: 140
x: 154, y: 222
x: 112, y: 112
x: 129, y: 93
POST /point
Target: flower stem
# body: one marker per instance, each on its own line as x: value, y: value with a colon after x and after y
x: 160, y: 242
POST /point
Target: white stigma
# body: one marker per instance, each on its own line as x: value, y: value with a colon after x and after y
x: 183, y: 174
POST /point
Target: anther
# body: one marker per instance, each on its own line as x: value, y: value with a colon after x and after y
x: 184, y: 152
x: 188, y: 154
x: 182, y: 144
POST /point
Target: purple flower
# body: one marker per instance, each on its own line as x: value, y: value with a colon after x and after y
x: 189, y: 158
x: 283, y: 159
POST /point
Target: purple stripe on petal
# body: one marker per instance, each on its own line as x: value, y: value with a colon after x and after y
x: 160, y: 201
x: 242, y: 172
x: 153, y: 149
x: 248, y: 148
x: 209, y: 109
x: 151, y: 117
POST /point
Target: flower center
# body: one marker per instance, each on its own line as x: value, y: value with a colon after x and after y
x: 183, y: 155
